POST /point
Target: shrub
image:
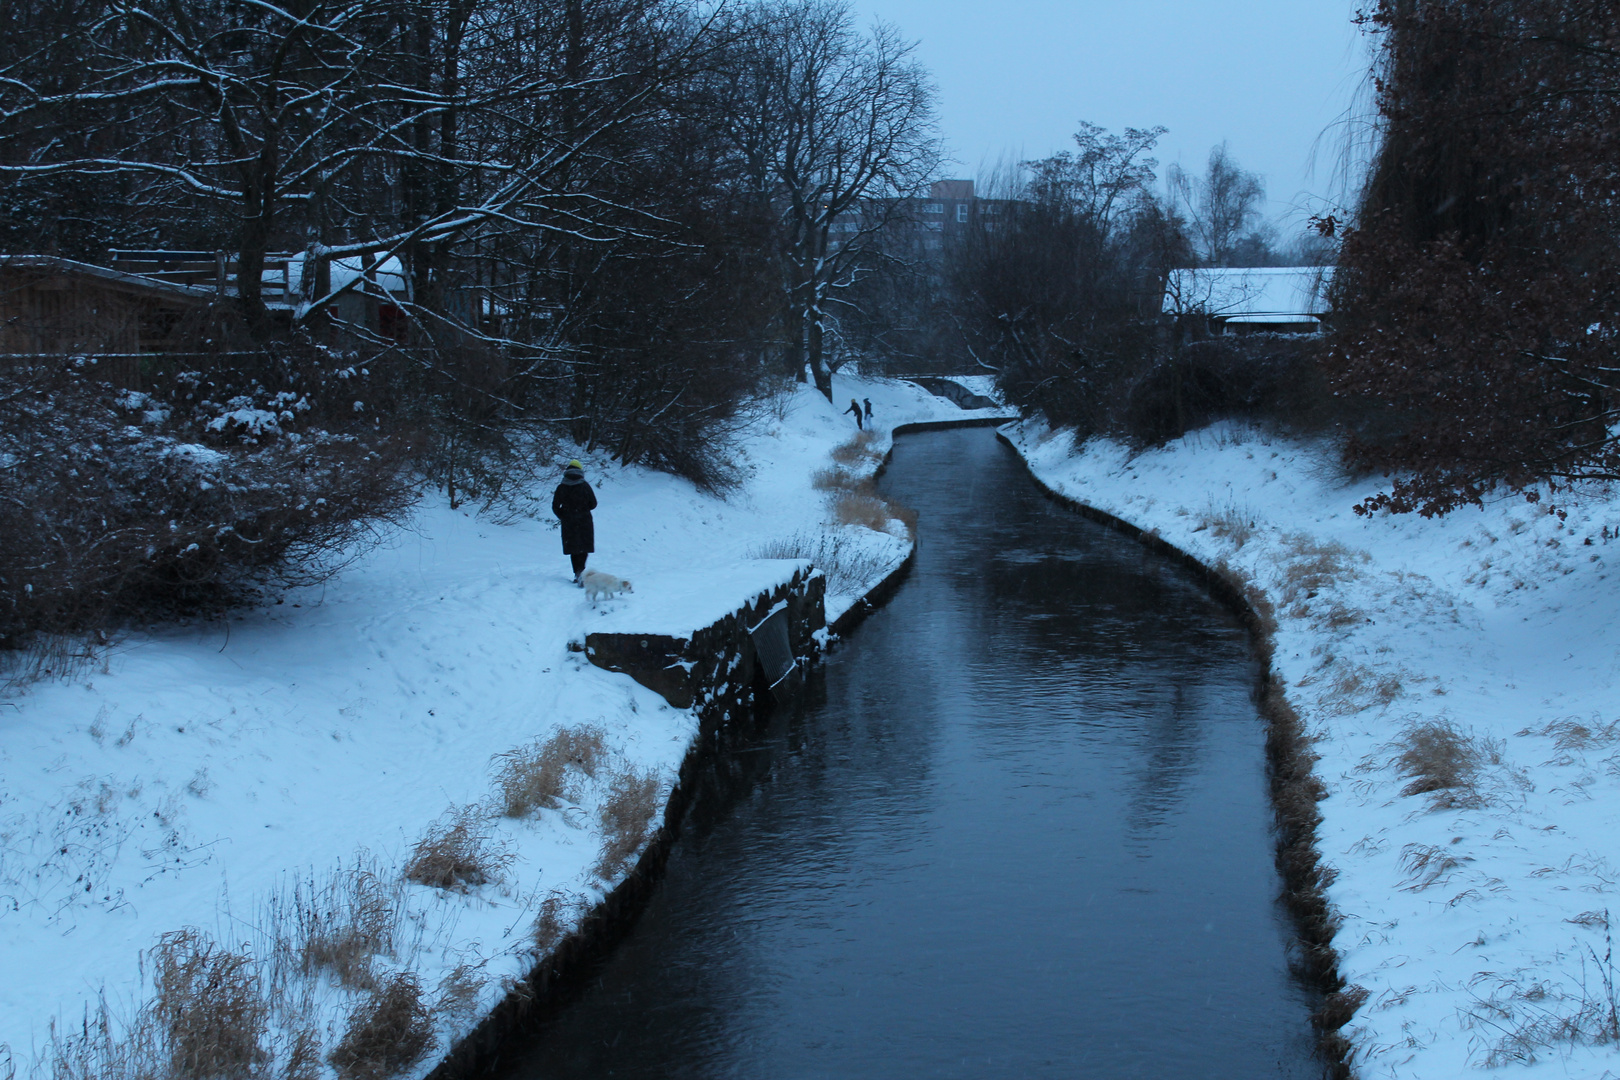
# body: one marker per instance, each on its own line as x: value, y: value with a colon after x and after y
x: 1273, y: 379
x: 540, y: 774
x: 121, y: 509
x: 455, y: 853
x: 387, y: 1033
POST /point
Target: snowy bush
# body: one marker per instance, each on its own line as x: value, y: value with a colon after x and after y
x: 122, y: 506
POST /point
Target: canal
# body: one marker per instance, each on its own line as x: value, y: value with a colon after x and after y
x: 1019, y: 830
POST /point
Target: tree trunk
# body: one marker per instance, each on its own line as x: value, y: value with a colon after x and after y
x: 814, y: 333
x: 793, y: 321
x: 254, y: 240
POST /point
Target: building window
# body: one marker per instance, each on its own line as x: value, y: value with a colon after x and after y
x: 933, y: 208
x: 961, y: 212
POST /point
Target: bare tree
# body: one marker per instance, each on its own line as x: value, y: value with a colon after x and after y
x: 1062, y: 296
x: 833, y: 128
x: 1223, y: 210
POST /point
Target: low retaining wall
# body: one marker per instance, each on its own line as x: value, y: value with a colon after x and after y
x: 1295, y: 790
x: 713, y: 668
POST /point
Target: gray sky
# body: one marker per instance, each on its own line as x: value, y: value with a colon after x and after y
x: 1271, y: 78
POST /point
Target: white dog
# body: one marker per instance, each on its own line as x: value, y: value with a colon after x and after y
x: 598, y: 584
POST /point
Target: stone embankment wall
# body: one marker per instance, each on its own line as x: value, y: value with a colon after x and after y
x: 719, y: 670
x: 716, y: 668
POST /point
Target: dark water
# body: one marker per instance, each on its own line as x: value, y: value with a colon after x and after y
x: 1020, y: 831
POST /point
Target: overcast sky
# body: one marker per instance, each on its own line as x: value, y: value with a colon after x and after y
x: 1271, y: 78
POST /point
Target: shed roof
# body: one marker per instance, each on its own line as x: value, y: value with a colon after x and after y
x: 1250, y: 294
x: 53, y: 264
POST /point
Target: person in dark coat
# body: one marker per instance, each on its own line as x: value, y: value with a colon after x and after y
x: 573, y: 504
x: 855, y: 407
x: 868, y: 407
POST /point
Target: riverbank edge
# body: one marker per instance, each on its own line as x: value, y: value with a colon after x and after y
x: 557, y: 977
x: 879, y: 594
x: 1294, y: 787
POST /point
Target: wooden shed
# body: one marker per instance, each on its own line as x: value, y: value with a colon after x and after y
x: 55, y: 305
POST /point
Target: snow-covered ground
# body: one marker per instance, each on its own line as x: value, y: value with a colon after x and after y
x: 983, y: 385
x: 264, y: 778
x: 1479, y: 651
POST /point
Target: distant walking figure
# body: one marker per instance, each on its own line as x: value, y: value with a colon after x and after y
x: 855, y: 407
x: 573, y: 504
x: 868, y: 407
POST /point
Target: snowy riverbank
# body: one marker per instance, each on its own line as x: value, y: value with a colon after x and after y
x: 1457, y: 677
x: 264, y: 779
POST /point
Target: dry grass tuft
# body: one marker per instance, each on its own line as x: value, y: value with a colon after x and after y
x: 868, y: 511
x: 850, y: 567
x: 1229, y: 523
x: 558, y: 914
x: 98, y: 1050
x: 458, y: 991
x: 302, y: 1060
x: 209, y: 1007
x: 858, y: 450
x: 387, y: 1033
x: 1426, y: 864
x: 543, y: 775
x: 1443, y: 760
x: 1573, y: 735
x: 1338, y: 1008
x: 626, y: 817
x: 833, y: 480
x: 1265, y: 611
x: 341, y: 926
x: 1354, y: 687
x: 456, y: 853
x: 1312, y: 565
x: 1534, y: 1017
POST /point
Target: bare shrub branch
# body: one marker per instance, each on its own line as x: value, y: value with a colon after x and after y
x: 850, y: 566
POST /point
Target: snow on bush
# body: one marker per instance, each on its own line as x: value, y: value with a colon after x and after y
x: 114, y: 509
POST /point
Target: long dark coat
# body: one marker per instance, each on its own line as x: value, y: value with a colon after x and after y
x: 573, y: 504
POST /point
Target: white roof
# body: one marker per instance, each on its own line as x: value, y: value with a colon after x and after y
x: 1250, y: 294
x: 388, y: 274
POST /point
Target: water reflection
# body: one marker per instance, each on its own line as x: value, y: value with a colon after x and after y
x: 1022, y: 832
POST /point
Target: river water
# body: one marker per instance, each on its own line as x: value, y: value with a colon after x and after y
x: 1020, y: 830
